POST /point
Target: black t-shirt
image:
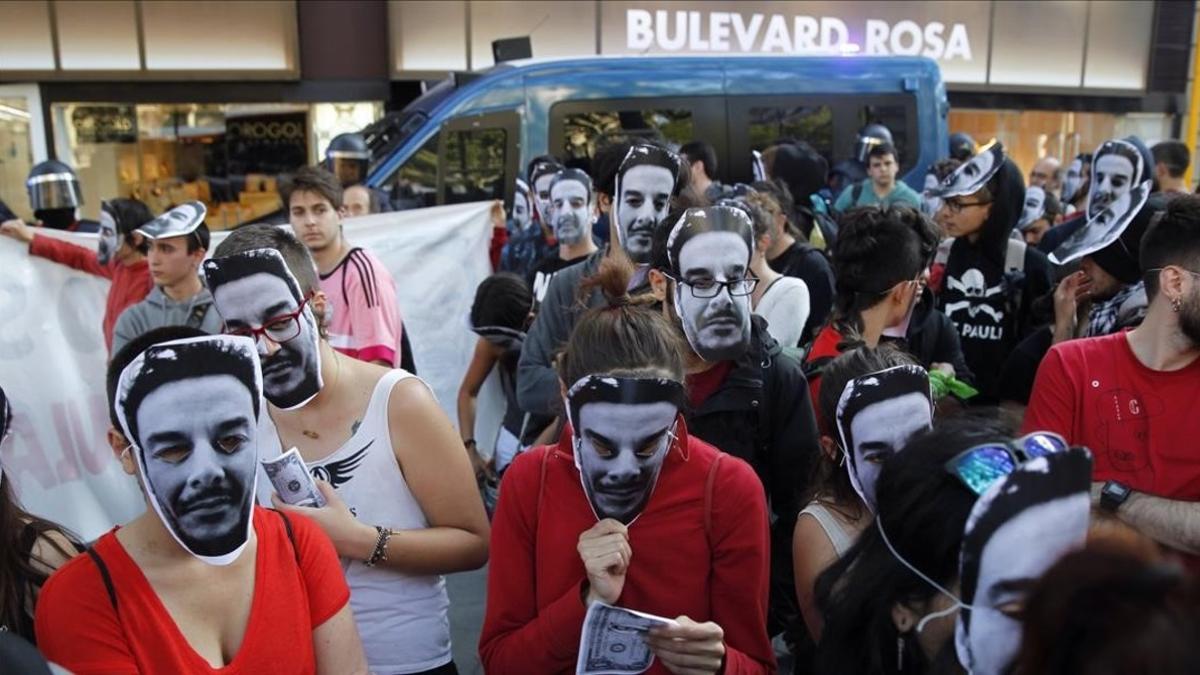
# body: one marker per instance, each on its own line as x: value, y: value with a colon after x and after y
x: 544, y: 271
x: 804, y: 262
x: 991, y: 309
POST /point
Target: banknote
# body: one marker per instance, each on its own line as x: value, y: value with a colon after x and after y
x: 292, y: 481
x: 613, y: 641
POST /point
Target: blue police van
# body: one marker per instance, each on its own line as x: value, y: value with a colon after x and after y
x: 467, y: 138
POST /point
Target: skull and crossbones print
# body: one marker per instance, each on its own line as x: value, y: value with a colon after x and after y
x: 977, y: 293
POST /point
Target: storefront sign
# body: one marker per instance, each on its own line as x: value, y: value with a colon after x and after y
x: 273, y: 143
x: 802, y: 34
x: 105, y: 124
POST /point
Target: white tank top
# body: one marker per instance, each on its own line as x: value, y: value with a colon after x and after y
x: 401, y: 618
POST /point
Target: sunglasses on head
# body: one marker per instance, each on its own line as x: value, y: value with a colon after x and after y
x: 980, y: 466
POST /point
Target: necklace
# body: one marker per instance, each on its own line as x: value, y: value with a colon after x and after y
x: 337, y: 374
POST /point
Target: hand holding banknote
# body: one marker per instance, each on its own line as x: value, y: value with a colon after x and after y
x: 351, y: 538
x: 688, y: 647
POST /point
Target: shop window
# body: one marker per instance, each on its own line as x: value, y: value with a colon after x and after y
x: 416, y: 181
x: 16, y: 156
x: 475, y: 161
x: 895, y: 118
x: 232, y: 157
x: 584, y: 132
x: 811, y: 124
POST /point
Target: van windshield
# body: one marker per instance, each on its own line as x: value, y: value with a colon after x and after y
x: 389, y: 132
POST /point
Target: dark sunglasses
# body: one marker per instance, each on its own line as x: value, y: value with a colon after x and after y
x: 980, y: 466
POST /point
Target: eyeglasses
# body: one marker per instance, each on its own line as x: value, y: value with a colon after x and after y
x: 705, y: 289
x: 980, y: 466
x: 956, y: 206
x: 278, y: 329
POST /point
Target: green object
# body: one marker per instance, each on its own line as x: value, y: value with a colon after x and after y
x: 944, y: 384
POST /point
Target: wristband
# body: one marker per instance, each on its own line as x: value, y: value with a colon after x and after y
x: 380, y: 552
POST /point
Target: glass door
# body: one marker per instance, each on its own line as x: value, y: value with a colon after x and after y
x: 22, y: 144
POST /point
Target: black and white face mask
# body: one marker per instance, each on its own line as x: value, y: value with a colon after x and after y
x: 930, y: 203
x: 1117, y: 168
x: 645, y: 184
x: 540, y: 179
x: 1105, y: 227
x: 522, y: 217
x: 974, y: 174
x: 507, y: 339
x: 571, y: 206
x: 876, y: 415
x: 189, y: 409
x: 179, y: 221
x: 1035, y: 207
x: 257, y: 296
x: 109, y: 240
x: 1073, y: 180
x: 623, y: 429
x: 710, y: 250
x: 1016, y: 530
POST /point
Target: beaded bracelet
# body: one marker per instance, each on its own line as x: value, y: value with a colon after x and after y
x: 380, y: 552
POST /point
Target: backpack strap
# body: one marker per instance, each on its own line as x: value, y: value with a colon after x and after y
x: 1014, y: 255
x: 708, y: 496
x: 105, y: 577
x: 291, y: 535
x: 856, y: 192
x: 814, y: 367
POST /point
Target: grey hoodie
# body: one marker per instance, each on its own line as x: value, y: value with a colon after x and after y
x: 158, y: 311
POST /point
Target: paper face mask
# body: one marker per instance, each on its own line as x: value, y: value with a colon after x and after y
x: 1105, y: 227
x: 109, y: 240
x: 876, y: 415
x: 709, y: 250
x: 1117, y: 169
x: 539, y: 179
x: 189, y: 410
x: 623, y: 430
x: 930, y: 203
x: 645, y: 183
x: 521, y: 215
x: 974, y: 174
x: 258, y: 297
x: 1035, y: 207
x: 504, y: 338
x: 1073, y: 180
x: 1016, y: 530
x: 179, y: 221
x: 571, y: 206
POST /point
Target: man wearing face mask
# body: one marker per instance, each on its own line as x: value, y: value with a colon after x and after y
x: 1131, y: 396
x: 572, y: 212
x: 541, y: 172
x: 746, y: 396
x: 120, y: 256
x: 639, y: 203
x: 526, y: 245
x: 178, y: 243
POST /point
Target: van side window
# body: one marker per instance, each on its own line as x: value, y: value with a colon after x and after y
x: 812, y: 124
x: 475, y: 161
x: 585, y: 131
x: 416, y: 181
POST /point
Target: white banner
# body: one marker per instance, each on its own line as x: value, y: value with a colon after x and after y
x: 52, y: 357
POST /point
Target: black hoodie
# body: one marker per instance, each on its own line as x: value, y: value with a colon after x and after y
x: 989, y: 305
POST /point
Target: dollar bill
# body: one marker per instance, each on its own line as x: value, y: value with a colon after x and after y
x: 614, y: 641
x: 292, y: 481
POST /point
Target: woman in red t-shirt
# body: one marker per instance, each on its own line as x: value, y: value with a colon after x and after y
x: 630, y: 511
x: 145, y: 600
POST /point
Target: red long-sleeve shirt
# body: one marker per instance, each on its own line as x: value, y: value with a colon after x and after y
x: 130, y: 283
x: 535, y: 578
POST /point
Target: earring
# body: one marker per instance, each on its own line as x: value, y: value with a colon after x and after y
x: 1176, y: 304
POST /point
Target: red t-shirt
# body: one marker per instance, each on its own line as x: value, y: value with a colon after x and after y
x: 130, y: 283
x: 78, y: 629
x: 1140, y: 424
x: 702, y: 385
x: 535, y: 575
